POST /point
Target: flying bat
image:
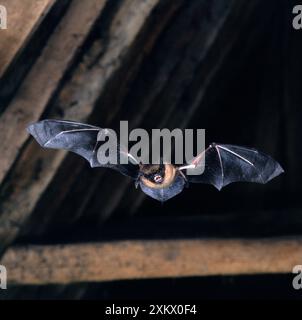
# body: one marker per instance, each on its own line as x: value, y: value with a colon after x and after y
x: 223, y: 164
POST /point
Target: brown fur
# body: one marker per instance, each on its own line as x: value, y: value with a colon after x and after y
x: 170, y: 173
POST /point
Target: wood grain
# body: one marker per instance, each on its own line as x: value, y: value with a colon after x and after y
x: 31, y: 100
x: 24, y: 17
x: 63, y: 264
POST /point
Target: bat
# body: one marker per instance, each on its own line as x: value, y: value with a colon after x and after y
x: 223, y: 163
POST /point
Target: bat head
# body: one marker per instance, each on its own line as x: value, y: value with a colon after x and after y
x: 155, y: 174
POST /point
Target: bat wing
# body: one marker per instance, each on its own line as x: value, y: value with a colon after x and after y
x: 224, y: 164
x: 78, y: 138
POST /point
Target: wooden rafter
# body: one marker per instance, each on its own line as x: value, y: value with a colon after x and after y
x: 64, y: 264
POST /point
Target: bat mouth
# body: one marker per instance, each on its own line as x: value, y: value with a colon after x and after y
x: 158, y: 178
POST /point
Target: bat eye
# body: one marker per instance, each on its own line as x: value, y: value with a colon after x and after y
x: 158, y: 178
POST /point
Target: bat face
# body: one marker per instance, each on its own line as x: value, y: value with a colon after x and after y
x: 161, y: 182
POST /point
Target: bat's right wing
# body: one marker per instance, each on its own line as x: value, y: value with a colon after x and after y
x: 224, y: 164
x: 78, y: 138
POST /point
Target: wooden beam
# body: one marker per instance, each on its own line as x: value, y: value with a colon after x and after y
x: 63, y: 264
x: 30, y: 24
x: 23, y: 18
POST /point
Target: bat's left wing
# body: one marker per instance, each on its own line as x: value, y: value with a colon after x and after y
x: 78, y: 138
x: 224, y: 164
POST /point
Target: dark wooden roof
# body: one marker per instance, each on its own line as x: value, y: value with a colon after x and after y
x: 231, y: 67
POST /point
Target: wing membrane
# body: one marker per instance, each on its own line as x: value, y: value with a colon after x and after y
x: 78, y: 138
x: 225, y: 164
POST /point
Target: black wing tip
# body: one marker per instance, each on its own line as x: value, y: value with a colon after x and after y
x: 32, y: 129
x: 277, y: 172
x: 29, y: 128
x: 280, y: 168
x: 33, y: 125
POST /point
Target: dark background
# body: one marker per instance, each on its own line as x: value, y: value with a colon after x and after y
x: 244, y: 88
